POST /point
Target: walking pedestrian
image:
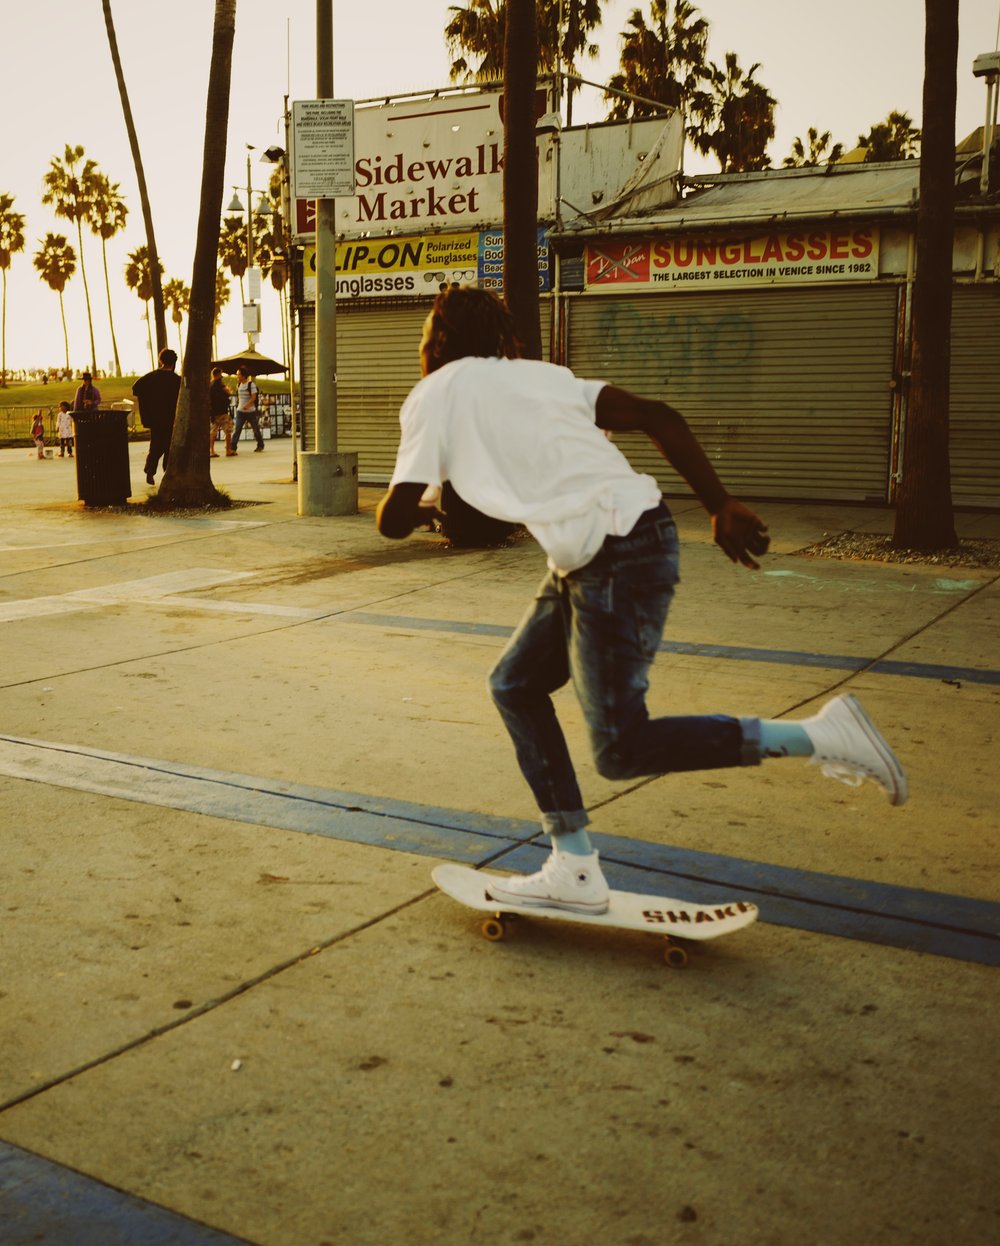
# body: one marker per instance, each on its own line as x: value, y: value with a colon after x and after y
x: 157, y: 395
x: 247, y: 398
x: 222, y: 419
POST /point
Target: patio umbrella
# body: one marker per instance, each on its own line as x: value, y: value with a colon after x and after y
x: 255, y: 364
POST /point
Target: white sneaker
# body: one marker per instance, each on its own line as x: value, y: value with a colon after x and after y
x: 565, y: 881
x: 849, y: 747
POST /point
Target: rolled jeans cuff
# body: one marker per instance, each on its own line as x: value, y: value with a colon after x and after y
x: 751, y: 752
x: 562, y: 821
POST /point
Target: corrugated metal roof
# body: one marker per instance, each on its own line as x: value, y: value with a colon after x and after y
x: 826, y: 190
x: 771, y: 196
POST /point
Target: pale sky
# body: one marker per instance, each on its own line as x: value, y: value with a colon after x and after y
x: 838, y: 66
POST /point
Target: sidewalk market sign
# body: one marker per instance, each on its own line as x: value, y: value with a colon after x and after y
x: 427, y: 164
x: 415, y: 265
x: 707, y: 261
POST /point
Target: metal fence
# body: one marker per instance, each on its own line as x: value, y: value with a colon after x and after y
x: 15, y: 422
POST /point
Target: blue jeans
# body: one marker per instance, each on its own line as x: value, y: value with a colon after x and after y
x: 601, y: 626
x: 247, y: 417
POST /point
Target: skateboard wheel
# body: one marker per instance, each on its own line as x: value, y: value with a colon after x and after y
x: 676, y: 957
x: 493, y: 929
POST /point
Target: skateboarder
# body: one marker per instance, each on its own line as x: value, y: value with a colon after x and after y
x: 522, y: 441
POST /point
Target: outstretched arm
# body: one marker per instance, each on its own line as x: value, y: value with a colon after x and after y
x: 736, y: 529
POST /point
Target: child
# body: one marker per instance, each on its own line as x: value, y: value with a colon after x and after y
x: 38, y: 434
x: 64, y: 424
x: 523, y: 441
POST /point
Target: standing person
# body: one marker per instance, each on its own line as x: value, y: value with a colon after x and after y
x: 64, y: 425
x: 247, y: 395
x: 157, y: 394
x: 38, y: 434
x: 222, y: 419
x: 522, y: 441
x: 88, y: 396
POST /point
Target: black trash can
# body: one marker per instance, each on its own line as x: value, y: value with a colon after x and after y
x: 102, y: 469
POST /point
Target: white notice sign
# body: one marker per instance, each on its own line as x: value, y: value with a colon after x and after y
x: 323, y: 149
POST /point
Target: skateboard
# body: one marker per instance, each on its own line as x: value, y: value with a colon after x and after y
x: 628, y: 910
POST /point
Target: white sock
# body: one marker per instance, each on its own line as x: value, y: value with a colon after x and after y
x: 784, y: 739
x: 575, y: 842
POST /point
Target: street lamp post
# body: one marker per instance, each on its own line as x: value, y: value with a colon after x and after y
x: 251, y: 310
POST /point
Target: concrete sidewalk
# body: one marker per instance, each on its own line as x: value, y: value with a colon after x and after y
x: 233, y: 746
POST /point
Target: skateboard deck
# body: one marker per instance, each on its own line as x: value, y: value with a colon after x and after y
x: 628, y: 910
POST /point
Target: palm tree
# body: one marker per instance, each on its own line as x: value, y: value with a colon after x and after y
x: 559, y: 47
x: 895, y: 138
x: 177, y: 296
x: 233, y: 249
x: 478, y: 30
x: 147, y: 216
x: 924, y: 511
x: 188, y: 478
x: 139, y: 277
x: 11, y: 242
x: 662, y: 64
x: 743, y: 115
x: 222, y: 291
x: 816, y: 153
x: 55, y: 259
x: 107, y: 217
x: 69, y: 187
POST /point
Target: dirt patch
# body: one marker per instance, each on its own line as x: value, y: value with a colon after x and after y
x: 864, y: 547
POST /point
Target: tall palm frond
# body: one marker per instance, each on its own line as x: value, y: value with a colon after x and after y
x: 55, y: 260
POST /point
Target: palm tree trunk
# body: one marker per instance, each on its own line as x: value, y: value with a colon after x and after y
x: 520, y: 174
x: 188, y: 479
x: 924, y: 514
x: 3, y: 334
x: 111, y: 319
x: 149, y: 336
x: 147, y: 215
x: 86, y: 295
x: 62, y: 313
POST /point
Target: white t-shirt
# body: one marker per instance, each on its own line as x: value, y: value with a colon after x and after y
x: 518, y: 440
x: 246, y: 391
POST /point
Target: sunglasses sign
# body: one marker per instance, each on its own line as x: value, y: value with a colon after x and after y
x: 701, y: 262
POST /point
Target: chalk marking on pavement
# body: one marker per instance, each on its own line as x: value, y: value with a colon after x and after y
x: 955, y: 926
x: 856, y: 584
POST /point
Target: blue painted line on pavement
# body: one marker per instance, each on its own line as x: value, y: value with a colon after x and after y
x: 955, y: 926
x: 738, y: 653
x: 41, y: 1201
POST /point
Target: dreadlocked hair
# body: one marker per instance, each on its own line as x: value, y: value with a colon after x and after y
x: 468, y: 321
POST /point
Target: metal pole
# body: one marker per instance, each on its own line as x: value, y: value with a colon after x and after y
x: 249, y: 216
x: 250, y: 342
x: 984, y: 177
x: 326, y: 258
x: 328, y: 480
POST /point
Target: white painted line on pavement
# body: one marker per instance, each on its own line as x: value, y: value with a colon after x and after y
x: 151, y: 531
x: 152, y: 590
